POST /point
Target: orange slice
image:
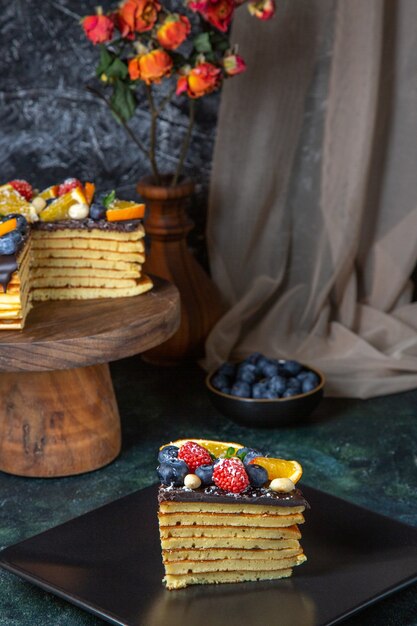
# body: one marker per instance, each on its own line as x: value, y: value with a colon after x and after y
x: 49, y: 192
x: 58, y: 209
x: 12, y: 202
x: 8, y: 226
x: 215, y: 447
x: 279, y: 468
x: 89, y: 190
x: 121, y: 210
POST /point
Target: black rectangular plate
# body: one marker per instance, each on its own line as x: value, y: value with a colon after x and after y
x: 108, y: 562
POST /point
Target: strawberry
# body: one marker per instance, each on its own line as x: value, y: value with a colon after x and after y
x: 23, y: 188
x: 68, y: 185
x: 230, y: 475
x: 194, y: 455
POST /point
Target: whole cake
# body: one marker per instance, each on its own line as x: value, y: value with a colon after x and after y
x: 227, y: 513
x: 62, y: 244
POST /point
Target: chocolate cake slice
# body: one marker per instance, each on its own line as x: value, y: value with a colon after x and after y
x: 211, y: 534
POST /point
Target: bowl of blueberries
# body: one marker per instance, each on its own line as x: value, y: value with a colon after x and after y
x: 264, y: 392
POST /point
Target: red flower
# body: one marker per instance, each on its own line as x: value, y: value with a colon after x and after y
x: 173, y: 31
x: 137, y: 16
x: 201, y: 80
x: 262, y: 9
x: 233, y: 64
x: 219, y: 13
x: 98, y: 28
x: 151, y: 67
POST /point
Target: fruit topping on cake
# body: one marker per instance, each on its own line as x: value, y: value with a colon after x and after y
x: 13, y: 201
x: 23, y: 188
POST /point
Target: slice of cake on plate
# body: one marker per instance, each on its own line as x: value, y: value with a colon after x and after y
x: 227, y: 514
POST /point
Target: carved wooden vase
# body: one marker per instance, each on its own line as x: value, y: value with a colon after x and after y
x: 167, y: 226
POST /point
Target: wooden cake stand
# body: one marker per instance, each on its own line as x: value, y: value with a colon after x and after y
x: 58, y: 411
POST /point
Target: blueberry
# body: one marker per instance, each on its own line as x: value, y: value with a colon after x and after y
x: 293, y: 367
x: 294, y: 383
x: 220, y: 382
x: 97, y: 211
x: 278, y: 384
x: 168, y: 453
x: 9, y: 243
x: 313, y: 378
x: 257, y: 475
x: 205, y: 474
x: 253, y: 358
x: 241, y: 390
x: 251, y: 454
x: 308, y: 385
x: 246, y: 372
x: 290, y: 392
x: 22, y: 224
x: 227, y: 369
x: 173, y: 472
x: 259, y: 390
x: 269, y: 368
x: 302, y: 375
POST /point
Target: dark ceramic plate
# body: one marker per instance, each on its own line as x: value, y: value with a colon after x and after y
x: 108, y: 562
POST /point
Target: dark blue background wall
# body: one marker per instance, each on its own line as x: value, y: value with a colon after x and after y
x: 52, y: 128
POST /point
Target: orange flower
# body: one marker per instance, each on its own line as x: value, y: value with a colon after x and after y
x: 151, y: 67
x: 262, y: 9
x: 201, y: 80
x: 98, y: 28
x: 219, y: 13
x: 173, y: 31
x: 137, y: 16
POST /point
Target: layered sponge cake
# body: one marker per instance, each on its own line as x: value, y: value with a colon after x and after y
x: 225, y: 515
x: 60, y: 244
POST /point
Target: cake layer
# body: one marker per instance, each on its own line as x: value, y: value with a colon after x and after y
x: 83, y: 263
x: 181, y: 581
x: 212, y: 554
x: 217, y: 519
x: 242, y: 532
x: 132, y: 257
x: 192, y: 566
x: 86, y: 293
x: 88, y: 244
x: 58, y: 272
x: 241, y: 543
x: 84, y: 281
x: 234, y: 509
x: 42, y: 232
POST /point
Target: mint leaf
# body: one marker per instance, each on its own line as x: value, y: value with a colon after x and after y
x: 107, y: 200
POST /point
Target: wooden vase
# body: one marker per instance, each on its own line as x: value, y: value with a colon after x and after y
x: 167, y: 226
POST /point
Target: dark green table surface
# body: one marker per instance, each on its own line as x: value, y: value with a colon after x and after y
x: 363, y: 451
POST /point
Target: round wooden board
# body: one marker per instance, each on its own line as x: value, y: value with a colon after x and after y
x: 76, y: 333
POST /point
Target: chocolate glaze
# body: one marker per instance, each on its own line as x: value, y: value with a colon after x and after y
x: 127, y: 226
x: 8, y: 265
x: 215, y: 495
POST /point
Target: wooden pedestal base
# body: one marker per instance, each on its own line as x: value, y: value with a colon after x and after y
x: 58, y: 423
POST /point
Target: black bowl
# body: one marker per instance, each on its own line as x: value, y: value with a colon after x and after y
x: 267, y: 413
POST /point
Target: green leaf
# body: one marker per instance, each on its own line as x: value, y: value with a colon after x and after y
x: 107, y: 200
x: 219, y: 42
x: 230, y: 452
x: 202, y: 43
x: 123, y: 100
x: 241, y: 455
x: 117, y: 69
x: 105, y: 61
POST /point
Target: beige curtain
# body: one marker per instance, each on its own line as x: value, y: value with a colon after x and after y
x: 313, y: 211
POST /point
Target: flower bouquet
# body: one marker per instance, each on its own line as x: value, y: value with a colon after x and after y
x: 143, y: 44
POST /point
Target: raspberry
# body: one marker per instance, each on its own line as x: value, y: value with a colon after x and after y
x: 23, y: 187
x: 68, y: 185
x: 194, y: 455
x: 230, y: 475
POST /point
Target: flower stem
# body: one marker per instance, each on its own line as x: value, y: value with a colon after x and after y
x: 152, y: 146
x: 127, y: 128
x: 185, y: 144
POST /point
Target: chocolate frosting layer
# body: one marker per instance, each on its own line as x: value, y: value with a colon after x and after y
x: 127, y: 226
x: 8, y: 265
x: 215, y: 495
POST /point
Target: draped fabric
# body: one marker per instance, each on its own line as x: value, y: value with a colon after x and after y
x: 312, y: 228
